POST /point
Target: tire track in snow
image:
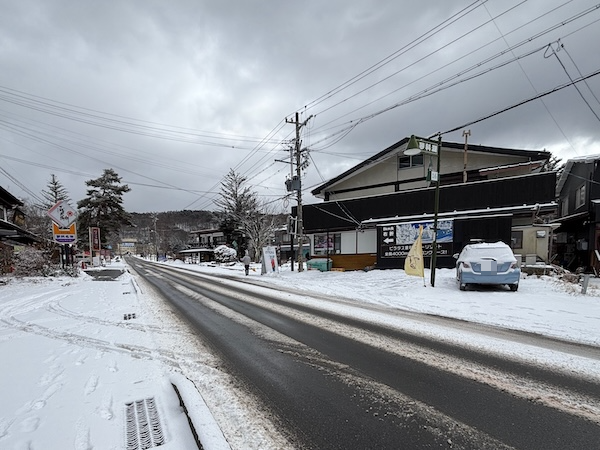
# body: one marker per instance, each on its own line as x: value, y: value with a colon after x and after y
x: 520, y: 385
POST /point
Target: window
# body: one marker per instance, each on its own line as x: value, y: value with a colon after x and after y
x: 404, y: 162
x: 564, y: 207
x: 327, y: 244
x: 580, y: 196
x: 517, y: 239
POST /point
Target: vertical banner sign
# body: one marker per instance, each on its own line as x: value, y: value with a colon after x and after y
x: 269, y: 260
x: 95, y: 239
x: 413, y: 265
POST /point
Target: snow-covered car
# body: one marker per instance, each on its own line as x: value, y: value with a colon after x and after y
x: 487, y: 263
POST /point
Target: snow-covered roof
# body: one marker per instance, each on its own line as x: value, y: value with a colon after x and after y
x: 586, y: 159
x: 197, y: 250
x: 534, y: 164
x: 484, y: 212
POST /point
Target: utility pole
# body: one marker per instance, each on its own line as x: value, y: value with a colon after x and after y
x: 299, y: 224
x: 292, y: 228
x: 466, y: 135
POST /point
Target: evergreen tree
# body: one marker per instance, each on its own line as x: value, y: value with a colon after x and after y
x: 54, y: 193
x: 103, y: 206
x: 38, y: 221
x: 237, y: 203
x: 554, y: 163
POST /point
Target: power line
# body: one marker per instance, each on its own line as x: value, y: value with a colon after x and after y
x: 438, y: 86
x: 551, y: 91
x: 531, y: 83
x: 436, y: 29
x: 116, y: 122
x: 574, y: 85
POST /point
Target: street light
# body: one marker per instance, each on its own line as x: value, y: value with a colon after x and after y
x: 414, y: 147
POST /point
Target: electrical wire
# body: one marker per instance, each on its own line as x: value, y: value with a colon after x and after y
x: 21, y: 185
x: 116, y: 122
x: 555, y: 53
x: 437, y: 86
x: 521, y: 103
x: 564, y: 135
x: 436, y: 29
x: 151, y: 129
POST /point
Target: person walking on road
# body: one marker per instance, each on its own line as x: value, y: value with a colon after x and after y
x: 246, y: 261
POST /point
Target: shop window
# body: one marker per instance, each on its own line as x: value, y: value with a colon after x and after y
x: 327, y: 244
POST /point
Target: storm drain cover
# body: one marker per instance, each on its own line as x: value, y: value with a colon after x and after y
x: 142, y: 428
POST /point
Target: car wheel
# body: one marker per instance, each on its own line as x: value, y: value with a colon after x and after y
x: 462, y: 286
x: 513, y: 287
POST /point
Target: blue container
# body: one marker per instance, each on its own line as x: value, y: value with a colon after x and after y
x: 322, y: 264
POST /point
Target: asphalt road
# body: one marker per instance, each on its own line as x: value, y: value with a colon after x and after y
x: 334, y: 382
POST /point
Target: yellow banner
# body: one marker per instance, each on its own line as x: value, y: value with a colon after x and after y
x: 413, y: 265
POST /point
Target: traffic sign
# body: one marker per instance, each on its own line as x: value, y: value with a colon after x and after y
x: 67, y: 235
x: 63, y: 214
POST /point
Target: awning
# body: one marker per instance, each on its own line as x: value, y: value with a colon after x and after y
x: 287, y: 247
x: 13, y: 234
x: 197, y: 250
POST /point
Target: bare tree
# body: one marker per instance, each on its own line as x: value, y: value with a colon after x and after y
x: 260, y: 227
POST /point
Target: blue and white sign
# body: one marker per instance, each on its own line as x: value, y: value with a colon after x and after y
x: 396, y: 239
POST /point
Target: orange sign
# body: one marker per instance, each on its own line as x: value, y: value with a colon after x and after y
x: 64, y: 235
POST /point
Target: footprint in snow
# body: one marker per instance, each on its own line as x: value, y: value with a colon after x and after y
x: 112, y: 367
x: 106, y: 407
x: 30, y: 424
x: 51, y: 375
x: 91, y: 384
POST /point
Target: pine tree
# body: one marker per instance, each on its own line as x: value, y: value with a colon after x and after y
x: 38, y: 221
x: 237, y: 203
x: 55, y: 192
x: 555, y: 164
x: 103, y: 206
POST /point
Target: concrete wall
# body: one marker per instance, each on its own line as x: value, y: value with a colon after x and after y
x: 534, y: 243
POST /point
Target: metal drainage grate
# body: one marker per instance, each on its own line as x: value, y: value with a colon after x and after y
x: 129, y: 316
x: 142, y: 427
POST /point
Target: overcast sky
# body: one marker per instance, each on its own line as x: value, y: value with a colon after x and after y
x: 172, y: 95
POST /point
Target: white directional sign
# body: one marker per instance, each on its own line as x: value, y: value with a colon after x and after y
x: 63, y: 214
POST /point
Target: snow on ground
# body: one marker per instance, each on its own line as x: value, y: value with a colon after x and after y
x: 543, y: 305
x: 77, y: 365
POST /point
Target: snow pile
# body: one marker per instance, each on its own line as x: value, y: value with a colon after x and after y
x: 225, y: 254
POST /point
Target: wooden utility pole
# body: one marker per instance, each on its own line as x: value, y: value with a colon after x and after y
x: 299, y: 224
x: 466, y: 135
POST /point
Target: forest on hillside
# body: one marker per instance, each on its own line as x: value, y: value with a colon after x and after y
x: 172, y: 228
